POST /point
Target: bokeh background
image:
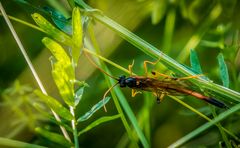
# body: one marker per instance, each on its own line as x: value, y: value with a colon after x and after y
x: 170, y: 25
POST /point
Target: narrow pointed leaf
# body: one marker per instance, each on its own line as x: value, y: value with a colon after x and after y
x: 99, y: 121
x: 55, y: 105
x: 63, y: 72
x: 78, y: 95
x: 49, y: 117
x: 94, y: 109
x: 158, y: 10
x: 223, y: 70
x: 54, y: 137
x: 51, y: 30
x: 77, y: 34
x: 195, y: 64
x: 5, y: 142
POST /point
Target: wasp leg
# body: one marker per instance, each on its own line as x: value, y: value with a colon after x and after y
x: 134, y: 92
x: 160, y: 97
x: 189, y: 77
x: 158, y: 74
x: 130, y: 67
x: 149, y: 62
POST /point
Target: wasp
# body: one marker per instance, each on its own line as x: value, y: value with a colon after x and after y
x: 160, y: 85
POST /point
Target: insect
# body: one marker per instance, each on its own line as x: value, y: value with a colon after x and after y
x: 160, y: 85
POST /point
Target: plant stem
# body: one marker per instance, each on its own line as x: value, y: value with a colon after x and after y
x: 75, y: 132
x: 25, y: 23
x: 24, y: 53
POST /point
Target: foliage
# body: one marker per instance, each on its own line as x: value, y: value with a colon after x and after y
x: 205, y: 44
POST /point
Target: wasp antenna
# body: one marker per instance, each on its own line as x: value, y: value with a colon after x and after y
x: 105, y: 94
x: 91, y: 61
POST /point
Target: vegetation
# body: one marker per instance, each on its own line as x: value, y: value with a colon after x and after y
x: 59, y: 102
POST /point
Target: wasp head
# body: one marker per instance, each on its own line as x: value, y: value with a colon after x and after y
x: 130, y: 82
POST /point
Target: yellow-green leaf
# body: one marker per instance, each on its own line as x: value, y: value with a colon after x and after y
x: 54, y: 137
x: 99, y: 121
x: 57, y: 50
x: 77, y: 34
x: 55, y: 105
x: 63, y: 72
x: 51, y: 30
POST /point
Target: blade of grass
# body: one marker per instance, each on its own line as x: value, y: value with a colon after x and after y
x: 31, y: 66
x: 207, y: 125
x: 223, y: 134
x: 202, y: 115
x: 169, y: 29
x: 14, y: 143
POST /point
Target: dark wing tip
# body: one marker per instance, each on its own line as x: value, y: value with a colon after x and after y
x: 216, y: 103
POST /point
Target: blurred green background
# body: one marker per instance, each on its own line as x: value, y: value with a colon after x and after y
x: 171, y: 25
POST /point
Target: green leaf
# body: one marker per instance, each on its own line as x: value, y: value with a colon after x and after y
x: 196, y: 67
x: 57, y: 138
x: 93, y: 109
x: 58, y: 18
x: 158, y: 10
x: 39, y: 107
x: 77, y: 34
x: 5, y: 142
x: 223, y: 70
x: 63, y: 72
x: 78, y: 95
x: 99, y: 121
x: 55, y: 105
x: 51, y: 30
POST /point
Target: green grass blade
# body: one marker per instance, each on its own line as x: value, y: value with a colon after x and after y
x: 18, y: 144
x: 99, y: 121
x: 195, y: 64
x: 223, y: 70
x: 54, y: 137
x: 95, y: 108
x: 204, y: 127
x: 55, y: 105
x: 123, y: 101
x: 158, y: 10
x: 169, y: 29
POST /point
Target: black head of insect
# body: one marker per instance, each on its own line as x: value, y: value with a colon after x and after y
x: 130, y: 81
